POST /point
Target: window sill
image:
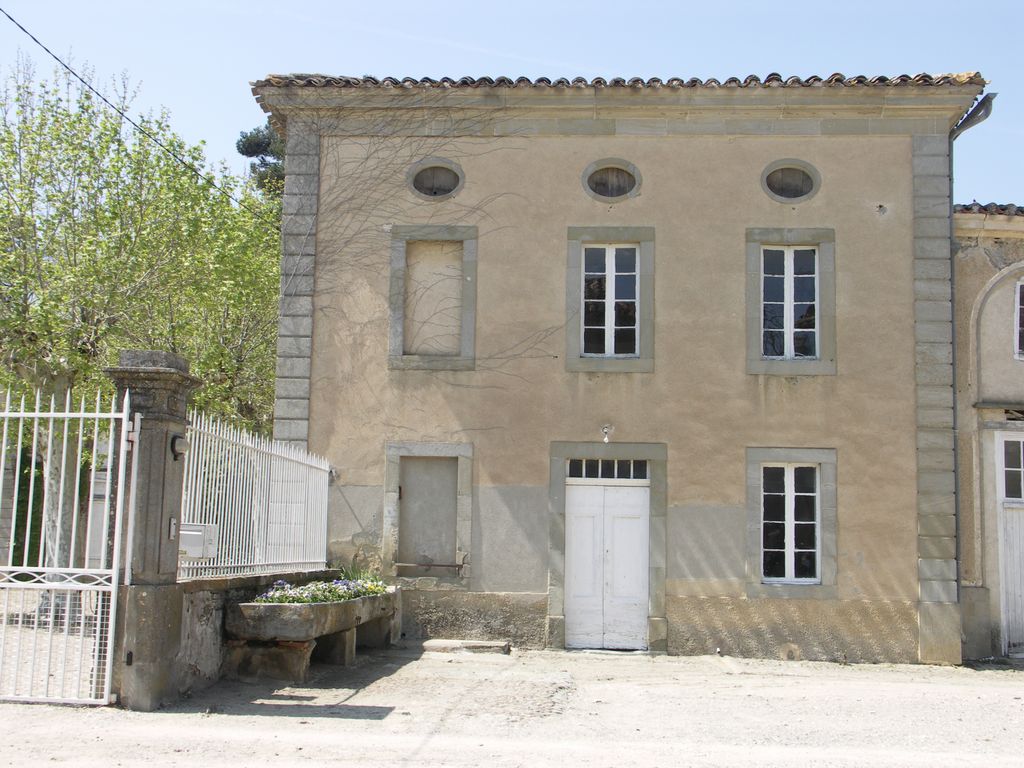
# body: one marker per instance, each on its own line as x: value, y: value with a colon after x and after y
x: 610, y: 364
x: 778, y: 367
x: 791, y: 591
x: 431, y: 363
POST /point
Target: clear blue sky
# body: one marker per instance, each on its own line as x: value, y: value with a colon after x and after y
x: 197, y: 58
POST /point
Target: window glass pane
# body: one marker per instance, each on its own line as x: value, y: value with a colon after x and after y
x: 774, y: 535
x: 805, y: 565
x: 594, y: 260
x: 575, y: 468
x: 593, y: 341
x: 803, y: 344
x: 622, y: 470
x: 592, y: 467
x: 607, y: 468
x: 773, y: 479
x: 774, y: 288
x: 774, y: 262
x: 611, y: 182
x: 774, y: 565
x: 1011, y: 453
x: 804, y: 508
x: 773, y: 344
x: 625, y: 286
x: 805, y: 538
x: 625, y: 260
x: 593, y: 288
x: 803, y: 261
x: 1013, y: 485
x: 625, y: 341
x: 639, y: 470
x: 625, y: 314
x: 803, y: 289
x: 805, y: 479
x: 593, y: 313
x: 772, y: 317
x: 774, y: 507
x: 803, y: 316
x: 790, y: 183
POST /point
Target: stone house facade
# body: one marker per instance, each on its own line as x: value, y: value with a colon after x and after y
x: 633, y: 364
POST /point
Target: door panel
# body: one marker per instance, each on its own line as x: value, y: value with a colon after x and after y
x: 606, y: 568
x: 584, y: 546
x: 1011, y: 557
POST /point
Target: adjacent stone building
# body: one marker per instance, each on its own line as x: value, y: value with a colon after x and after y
x: 988, y: 262
x: 635, y: 364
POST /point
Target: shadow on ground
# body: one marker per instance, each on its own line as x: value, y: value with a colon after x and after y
x: 324, y: 695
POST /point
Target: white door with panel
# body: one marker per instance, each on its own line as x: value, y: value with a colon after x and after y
x: 1010, y: 468
x: 607, y: 534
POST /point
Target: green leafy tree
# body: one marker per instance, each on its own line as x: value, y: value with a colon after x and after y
x: 266, y: 147
x: 108, y: 241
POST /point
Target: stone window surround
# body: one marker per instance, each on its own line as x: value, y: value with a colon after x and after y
x: 400, y: 236
x: 791, y: 162
x: 825, y: 459
x: 656, y: 455
x: 393, y: 453
x: 431, y: 162
x: 824, y: 240
x: 577, y: 238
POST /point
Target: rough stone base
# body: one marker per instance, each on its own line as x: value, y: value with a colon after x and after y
x: 981, y: 638
x: 519, y: 617
x: 852, y: 630
x: 940, y: 640
x: 288, y: 661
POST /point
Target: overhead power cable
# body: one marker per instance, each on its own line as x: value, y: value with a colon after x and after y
x: 199, y: 173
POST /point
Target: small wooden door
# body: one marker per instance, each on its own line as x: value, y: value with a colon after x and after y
x: 606, y: 565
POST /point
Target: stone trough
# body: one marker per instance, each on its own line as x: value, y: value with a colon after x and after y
x: 278, y: 640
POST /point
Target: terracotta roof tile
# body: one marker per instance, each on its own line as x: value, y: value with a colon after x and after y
x: 773, y: 80
x: 996, y: 209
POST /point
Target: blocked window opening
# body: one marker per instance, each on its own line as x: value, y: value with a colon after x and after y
x: 428, y: 504
x: 433, y: 297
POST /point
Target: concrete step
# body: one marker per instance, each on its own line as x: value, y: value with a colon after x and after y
x: 438, y: 645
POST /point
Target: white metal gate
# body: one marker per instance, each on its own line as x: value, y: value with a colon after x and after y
x: 62, y: 496
x: 606, y: 563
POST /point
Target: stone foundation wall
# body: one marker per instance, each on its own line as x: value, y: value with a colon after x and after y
x: 817, y: 630
x: 518, y: 617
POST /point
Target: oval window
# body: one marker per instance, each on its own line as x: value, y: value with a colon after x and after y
x: 611, y: 182
x: 790, y: 183
x: 436, y: 181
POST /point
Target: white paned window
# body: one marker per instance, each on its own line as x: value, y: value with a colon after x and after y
x: 610, y: 301
x: 1018, y: 318
x: 789, y: 302
x: 790, y: 521
x: 1013, y: 468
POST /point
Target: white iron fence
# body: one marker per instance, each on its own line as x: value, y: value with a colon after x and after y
x: 62, y: 499
x: 251, y: 505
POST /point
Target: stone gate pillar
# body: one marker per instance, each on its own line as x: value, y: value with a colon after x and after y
x: 149, y: 623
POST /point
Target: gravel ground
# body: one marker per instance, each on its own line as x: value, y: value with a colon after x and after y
x: 554, y: 708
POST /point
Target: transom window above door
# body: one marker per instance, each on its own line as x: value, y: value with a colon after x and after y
x: 610, y: 301
x: 607, y: 469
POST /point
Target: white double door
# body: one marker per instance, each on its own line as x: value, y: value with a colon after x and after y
x: 607, y: 535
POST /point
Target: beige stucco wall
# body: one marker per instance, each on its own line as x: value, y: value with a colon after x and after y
x: 988, y: 263
x: 700, y: 194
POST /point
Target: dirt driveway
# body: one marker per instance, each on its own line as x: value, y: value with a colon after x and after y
x: 554, y: 708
